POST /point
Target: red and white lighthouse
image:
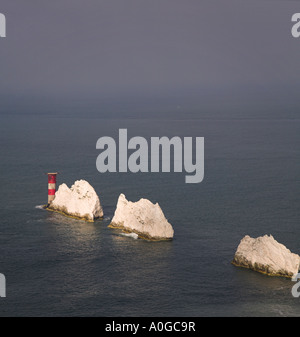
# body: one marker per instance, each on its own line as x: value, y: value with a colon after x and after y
x: 51, y: 186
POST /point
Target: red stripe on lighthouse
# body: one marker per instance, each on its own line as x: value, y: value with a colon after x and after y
x: 51, y: 178
x: 51, y: 192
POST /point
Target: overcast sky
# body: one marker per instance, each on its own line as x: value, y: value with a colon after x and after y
x: 119, y: 48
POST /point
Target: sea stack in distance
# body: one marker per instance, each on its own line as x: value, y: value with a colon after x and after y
x: 265, y: 255
x: 80, y: 201
x: 142, y: 218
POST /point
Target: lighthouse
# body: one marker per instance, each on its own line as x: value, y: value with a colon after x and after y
x: 51, y: 186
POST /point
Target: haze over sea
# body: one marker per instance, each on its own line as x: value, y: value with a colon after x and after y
x: 56, y: 266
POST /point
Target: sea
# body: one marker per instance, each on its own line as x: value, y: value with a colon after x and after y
x: 58, y: 266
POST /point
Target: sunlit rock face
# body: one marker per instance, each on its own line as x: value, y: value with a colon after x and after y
x: 265, y: 255
x: 80, y: 201
x: 143, y: 218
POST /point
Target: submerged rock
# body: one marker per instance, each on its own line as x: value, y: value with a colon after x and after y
x: 143, y: 218
x: 79, y: 201
x: 265, y: 255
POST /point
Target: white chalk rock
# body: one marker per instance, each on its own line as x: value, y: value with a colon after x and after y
x: 143, y: 218
x: 80, y: 201
x: 264, y: 254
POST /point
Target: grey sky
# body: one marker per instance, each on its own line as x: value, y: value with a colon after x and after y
x: 111, y: 48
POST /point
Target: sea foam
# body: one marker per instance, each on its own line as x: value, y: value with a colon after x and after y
x: 40, y: 206
x: 131, y: 235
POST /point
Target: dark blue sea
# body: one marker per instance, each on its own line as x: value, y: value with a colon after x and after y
x: 57, y: 266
